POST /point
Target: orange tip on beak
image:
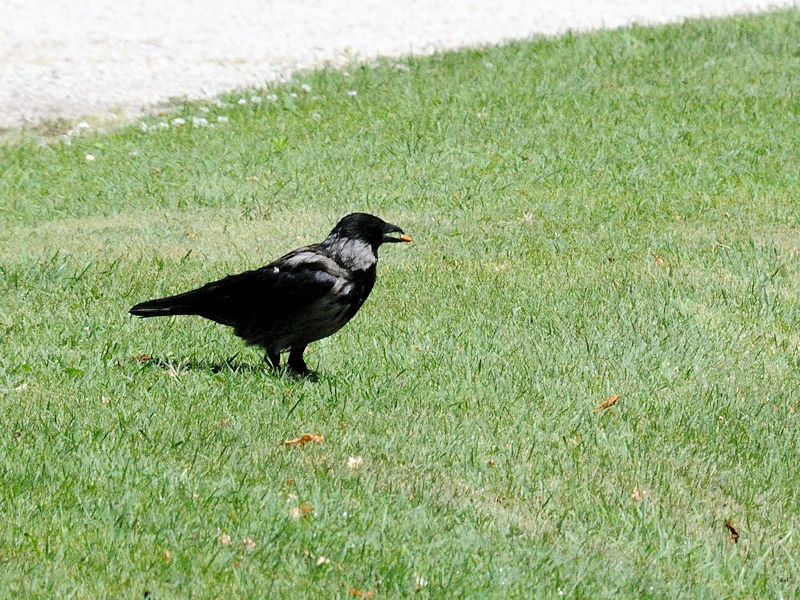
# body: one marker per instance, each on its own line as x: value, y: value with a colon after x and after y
x: 406, y: 238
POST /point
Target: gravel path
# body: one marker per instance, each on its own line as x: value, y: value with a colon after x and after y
x: 61, y: 58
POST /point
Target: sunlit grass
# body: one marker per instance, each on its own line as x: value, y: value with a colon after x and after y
x: 614, y: 213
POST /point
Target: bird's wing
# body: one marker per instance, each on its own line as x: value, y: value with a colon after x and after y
x: 282, y: 288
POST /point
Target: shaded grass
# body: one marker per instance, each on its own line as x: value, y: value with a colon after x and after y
x: 603, y: 214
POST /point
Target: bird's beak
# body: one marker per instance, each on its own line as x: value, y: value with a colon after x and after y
x: 401, y: 238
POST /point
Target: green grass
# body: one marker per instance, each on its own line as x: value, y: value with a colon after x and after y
x: 614, y: 213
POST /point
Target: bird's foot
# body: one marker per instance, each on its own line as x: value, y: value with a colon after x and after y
x: 300, y: 368
x: 273, y: 359
x: 307, y: 375
x: 296, y: 362
x: 295, y: 365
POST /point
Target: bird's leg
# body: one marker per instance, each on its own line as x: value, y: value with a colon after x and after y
x: 273, y: 357
x: 296, y: 362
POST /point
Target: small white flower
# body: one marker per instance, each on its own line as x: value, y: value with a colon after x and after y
x: 316, y: 116
x: 199, y: 122
x: 178, y: 122
x: 163, y: 124
x: 255, y: 99
x: 89, y: 157
x: 143, y: 126
x: 84, y: 125
x: 133, y: 153
x: 222, y: 119
x: 352, y: 93
x: 354, y: 462
x: 292, y: 94
x: 305, y: 87
x: 272, y: 97
x: 241, y: 101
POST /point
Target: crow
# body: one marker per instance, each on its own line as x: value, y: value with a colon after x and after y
x: 304, y: 296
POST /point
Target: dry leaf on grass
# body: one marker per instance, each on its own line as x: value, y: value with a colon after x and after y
x: 142, y: 357
x: 360, y: 593
x: 610, y: 401
x: 659, y: 260
x: 301, y: 512
x: 638, y: 494
x: 190, y: 234
x: 317, y: 438
x: 733, y: 531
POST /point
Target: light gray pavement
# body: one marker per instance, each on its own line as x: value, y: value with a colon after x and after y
x: 110, y: 59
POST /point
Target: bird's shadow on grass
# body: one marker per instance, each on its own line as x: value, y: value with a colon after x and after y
x: 230, y: 365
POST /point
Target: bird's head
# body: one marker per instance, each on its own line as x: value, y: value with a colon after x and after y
x: 368, y: 228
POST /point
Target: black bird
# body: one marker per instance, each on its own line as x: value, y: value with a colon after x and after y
x: 304, y: 296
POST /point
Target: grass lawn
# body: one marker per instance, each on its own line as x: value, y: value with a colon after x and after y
x: 594, y: 215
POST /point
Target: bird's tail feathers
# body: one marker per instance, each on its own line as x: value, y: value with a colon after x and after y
x: 182, y: 304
